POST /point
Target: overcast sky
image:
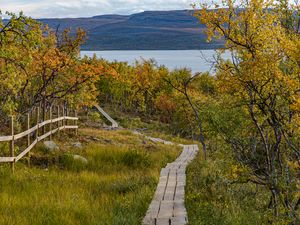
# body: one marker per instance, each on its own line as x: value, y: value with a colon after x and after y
x: 87, y: 8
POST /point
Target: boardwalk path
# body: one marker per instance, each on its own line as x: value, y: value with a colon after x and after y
x: 167, y: 206
x: 114, y: 124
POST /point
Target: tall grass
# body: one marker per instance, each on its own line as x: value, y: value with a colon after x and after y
x: 115, y: 187
x: 213, y: 198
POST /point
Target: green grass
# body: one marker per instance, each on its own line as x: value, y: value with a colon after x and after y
x: 213, y: 198
x: 115, y: 187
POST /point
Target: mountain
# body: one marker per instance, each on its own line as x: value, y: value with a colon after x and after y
x: 149, y: 30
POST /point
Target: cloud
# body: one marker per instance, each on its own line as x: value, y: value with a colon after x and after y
x: 87, y: 8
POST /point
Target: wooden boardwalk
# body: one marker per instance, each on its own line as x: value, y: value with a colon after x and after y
x: 167, y: 206
x: 114, y: 124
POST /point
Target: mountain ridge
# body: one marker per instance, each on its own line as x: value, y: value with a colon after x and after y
x: 148, y: 30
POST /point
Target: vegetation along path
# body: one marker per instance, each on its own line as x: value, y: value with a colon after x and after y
x: 167, y: 206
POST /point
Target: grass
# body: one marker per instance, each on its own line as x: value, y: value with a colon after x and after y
x: 153, y: 128
x: 115, y: 187
x: 212, y: 198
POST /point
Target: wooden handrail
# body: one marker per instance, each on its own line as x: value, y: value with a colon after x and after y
x: 15, y: 137
x: 40, y: 125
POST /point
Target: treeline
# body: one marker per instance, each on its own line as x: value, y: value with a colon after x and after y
x: 153, y: 92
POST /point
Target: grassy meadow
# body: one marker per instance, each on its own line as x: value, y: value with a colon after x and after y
x: 115, y: 187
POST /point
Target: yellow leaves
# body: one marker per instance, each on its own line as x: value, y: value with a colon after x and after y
x: 238, y: 172
x: 296, y: 104
x: 235, y: 170
x: 294, y: 165
x: 34, y: 62
x: 263, y: 50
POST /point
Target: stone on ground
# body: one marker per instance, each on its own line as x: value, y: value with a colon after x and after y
x: 80, y: 158
x: 51, y: 146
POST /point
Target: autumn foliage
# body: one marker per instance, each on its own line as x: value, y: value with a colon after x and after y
x: 40, y: 66
x: 249, y: 110
x: 251, y: 105
x: 261, y: 85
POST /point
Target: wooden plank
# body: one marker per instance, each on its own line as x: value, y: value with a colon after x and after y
x: 44, y: 123
x: 166, y: 209
x: 26, y: 150
x: 40, y: 138
x: 6, y: 138
x: 55, y: 130
x: 163, y: 221
x: 171, y: 186
x: 179, y: 209
x: 179, y: 221
x: 7, y: 159
x: 57, y: 119
x: 25, y: 133
x: 70, y: 118
x: 70, y: 127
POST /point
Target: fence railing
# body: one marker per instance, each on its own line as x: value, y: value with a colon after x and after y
x: 61, y: 123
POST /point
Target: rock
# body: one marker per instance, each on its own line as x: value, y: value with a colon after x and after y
x: 80, y: 158
x: 77, y: 145
x: 51, y: 146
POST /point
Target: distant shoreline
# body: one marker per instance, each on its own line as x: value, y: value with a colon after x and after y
x: 191, y: 49
x: 199, y: 60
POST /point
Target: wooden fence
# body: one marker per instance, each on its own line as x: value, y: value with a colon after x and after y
x: 60, y: 122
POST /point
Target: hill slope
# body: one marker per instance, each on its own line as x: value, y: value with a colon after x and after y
x: 149, y: 30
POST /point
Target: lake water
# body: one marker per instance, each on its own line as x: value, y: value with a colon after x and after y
x: 196, y: 60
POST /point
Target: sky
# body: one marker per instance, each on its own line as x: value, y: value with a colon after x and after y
x: 88, y: 8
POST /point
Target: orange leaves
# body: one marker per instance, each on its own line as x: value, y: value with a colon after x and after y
x: 42, y: 65
x: 165, y: 103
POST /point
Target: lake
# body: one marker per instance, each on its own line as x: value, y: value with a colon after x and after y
x: 196, y: 60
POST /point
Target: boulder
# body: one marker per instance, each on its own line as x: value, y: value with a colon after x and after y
x: 51, y: 146
x: 80, y: 158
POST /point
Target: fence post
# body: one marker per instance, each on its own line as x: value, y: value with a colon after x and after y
x: 76, y: 130
x: 63, y: 121
x: 67, y: 114
x: 37, y: 123
x: 28, y: 136
x: 12, y: 144
x: 50, y: 115
x: 58, y: 117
